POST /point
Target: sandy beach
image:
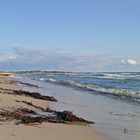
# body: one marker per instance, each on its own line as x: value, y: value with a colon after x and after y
x: 9, y: 130
x: 69, y: 70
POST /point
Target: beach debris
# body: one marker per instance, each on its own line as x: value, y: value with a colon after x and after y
x: 125, y: 130
x: 70, y: 117
x: 37, y: 107
x: 65, y: 115
x: 26, y: 116
x: 35, y: 95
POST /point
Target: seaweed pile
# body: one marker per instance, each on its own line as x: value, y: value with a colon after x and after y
x: 35, y: 95
x: 27, y: 116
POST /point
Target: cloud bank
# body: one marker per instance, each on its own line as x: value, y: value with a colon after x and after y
x: 28, y: 59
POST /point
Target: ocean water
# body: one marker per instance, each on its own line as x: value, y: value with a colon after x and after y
x: 112, y: 100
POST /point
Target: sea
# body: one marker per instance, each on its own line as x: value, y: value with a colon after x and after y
x: 110, y: 99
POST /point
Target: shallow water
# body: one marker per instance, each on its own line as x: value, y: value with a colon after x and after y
x: 111, y: 114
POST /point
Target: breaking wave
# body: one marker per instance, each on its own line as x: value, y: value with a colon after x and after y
x: 95, y: 88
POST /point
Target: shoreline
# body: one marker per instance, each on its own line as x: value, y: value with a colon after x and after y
x: 38, y: 131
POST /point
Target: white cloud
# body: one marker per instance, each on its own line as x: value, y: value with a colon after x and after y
x: 12, y: 57
x: 129, y: 61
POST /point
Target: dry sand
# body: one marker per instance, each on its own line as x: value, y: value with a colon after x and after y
x: 50, y: 131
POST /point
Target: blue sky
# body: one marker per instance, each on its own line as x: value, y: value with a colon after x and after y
x: 72, y: 35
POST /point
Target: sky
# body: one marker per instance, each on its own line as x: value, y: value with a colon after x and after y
x: 70, y: 35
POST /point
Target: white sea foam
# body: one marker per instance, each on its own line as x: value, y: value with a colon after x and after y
x: 41, y: 79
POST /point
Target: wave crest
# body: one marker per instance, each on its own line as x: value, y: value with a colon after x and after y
x: 95, y: 88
